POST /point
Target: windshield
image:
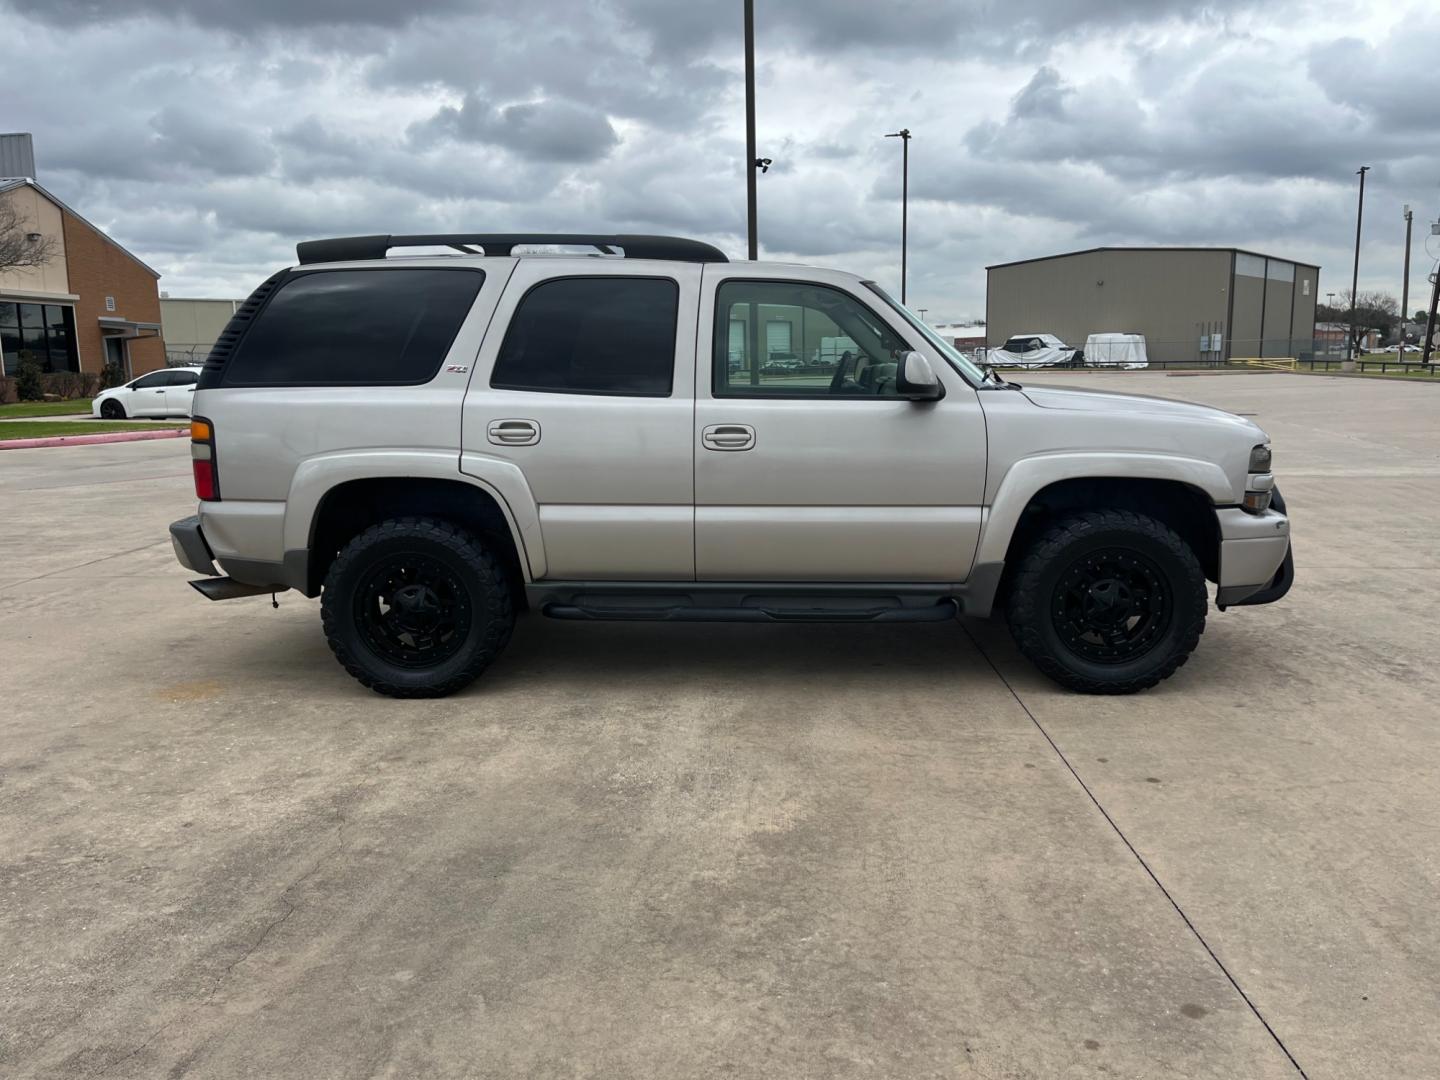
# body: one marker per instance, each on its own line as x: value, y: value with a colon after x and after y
x: 956, y: 358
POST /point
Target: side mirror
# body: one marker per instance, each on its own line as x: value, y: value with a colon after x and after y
x: 917, y: 380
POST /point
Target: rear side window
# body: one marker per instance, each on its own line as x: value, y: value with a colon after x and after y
x: 355, y: 327
x: 601, y: 335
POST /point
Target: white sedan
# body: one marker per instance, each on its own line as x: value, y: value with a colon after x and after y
x: 167, y: 392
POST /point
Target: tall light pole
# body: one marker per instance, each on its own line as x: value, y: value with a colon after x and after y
x: 1405, y: 285
x: 1355, y: 277
x: 1429, y: 346
x: 904, y: 136
x: 750, y: 164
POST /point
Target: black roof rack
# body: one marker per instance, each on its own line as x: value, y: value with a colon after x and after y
x: 348, y: 248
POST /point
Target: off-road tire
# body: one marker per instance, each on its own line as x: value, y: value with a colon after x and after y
x: 481, y: 575
x: 110, y: 409
x: 1030, y: 607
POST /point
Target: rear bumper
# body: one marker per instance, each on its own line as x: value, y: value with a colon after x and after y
x: 193, y: 551
x: 190, y: 547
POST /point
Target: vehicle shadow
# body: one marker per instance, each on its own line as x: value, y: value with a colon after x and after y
x: 589, y: 657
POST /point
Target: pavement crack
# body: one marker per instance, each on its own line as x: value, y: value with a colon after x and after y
x: 250, y: 950
x: 1190, y: 925
x: 92, y: 562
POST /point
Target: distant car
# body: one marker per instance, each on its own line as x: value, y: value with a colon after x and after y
x: 167, y: 392
x: 1034, y: 351
x: 783, y: 362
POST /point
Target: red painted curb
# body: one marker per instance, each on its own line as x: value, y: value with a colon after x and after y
x: 87, y: 440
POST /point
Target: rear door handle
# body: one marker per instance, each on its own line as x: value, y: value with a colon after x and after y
x: 728, y: 437
x: 514, y: 432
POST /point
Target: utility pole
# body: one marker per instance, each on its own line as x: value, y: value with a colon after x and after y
x: 750, y: 128
x: 1405, y: 284
x: 1355, y: 278
x: 1427, y: 355
x: 904, y: 136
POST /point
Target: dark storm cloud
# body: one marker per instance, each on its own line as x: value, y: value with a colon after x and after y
x: 1232, y: 119
x: 558, y: 131
x: 1363, y: 76
x: 233, y: 15
x: 190, y: 138
x: 906, y: 27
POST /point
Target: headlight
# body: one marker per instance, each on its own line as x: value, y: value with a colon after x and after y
x: 1260, y: 458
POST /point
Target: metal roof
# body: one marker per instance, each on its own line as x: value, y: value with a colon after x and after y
x: 1091, y: 251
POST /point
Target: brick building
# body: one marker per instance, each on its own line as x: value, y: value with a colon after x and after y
x: 90, y: 304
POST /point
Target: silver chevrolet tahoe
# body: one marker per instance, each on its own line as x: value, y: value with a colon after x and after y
x: 643, y: 429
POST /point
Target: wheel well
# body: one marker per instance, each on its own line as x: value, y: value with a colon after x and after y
x: 348, y: 509
x: 1187, y: 510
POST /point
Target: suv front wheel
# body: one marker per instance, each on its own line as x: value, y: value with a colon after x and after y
x: 1108, y: 602
x: 416, y: 607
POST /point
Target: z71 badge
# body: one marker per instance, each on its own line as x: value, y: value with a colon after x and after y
x: 459, y: 369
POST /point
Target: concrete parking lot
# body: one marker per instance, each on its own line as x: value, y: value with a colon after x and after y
x: 681, y: 851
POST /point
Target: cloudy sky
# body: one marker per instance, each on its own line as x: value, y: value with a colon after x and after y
x: 209, y: 136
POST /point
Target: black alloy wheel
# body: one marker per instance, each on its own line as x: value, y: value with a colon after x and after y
x: 416, y: 607
x: 412, y: 610
x: 1107, y: 601
x: 1112, y: 606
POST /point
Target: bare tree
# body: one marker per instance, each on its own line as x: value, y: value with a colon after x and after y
x: 17, y: 249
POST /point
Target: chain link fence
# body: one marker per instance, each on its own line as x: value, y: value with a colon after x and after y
x: 185, y: 355
x: 1310, y: 354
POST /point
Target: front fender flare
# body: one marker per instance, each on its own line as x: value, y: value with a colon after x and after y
x: 1028, y: 476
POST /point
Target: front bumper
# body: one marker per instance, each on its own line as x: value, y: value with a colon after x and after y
x: 190, y: 547
x: 1256, y: 562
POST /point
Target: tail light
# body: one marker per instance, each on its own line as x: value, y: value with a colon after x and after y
x: 202, y: 460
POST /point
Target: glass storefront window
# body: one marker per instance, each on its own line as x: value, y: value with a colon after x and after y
x: 47, y: 330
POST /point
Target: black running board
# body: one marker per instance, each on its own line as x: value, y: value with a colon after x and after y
x: 225, y: 588
x: 944, y: 611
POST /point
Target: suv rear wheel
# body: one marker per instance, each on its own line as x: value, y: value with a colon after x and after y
x: 1108, y: 602
x: 416, y: 607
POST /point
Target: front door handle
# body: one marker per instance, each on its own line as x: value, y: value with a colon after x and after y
x: 514, y: 432
x: 728, y: 437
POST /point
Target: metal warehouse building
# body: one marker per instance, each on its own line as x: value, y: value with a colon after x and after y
x: 1192, y: 304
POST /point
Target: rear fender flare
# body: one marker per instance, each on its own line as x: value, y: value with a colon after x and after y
x: 501, y: 480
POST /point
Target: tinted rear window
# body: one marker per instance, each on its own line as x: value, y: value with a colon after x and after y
x: 602, y: 335
x: 348, y: 327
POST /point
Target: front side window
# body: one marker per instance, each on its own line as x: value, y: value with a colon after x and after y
x: 795, y: 339
x: 592, y: 335
x: 355, y: 328
x: 154, y: 381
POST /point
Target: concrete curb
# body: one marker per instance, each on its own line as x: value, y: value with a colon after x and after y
x: 89, y: 440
